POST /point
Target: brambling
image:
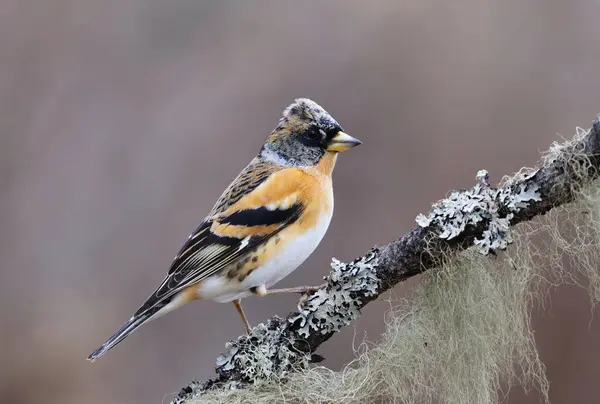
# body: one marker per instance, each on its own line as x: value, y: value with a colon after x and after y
x: 266, y: 223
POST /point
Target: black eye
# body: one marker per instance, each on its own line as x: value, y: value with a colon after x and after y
x: 313, y: 134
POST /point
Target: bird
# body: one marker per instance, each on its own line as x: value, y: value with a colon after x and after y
x: 266, y: 223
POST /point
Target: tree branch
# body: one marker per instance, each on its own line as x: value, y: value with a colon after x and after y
x: 481, y: 216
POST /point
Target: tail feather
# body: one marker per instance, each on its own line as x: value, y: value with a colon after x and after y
x: 130, y: 326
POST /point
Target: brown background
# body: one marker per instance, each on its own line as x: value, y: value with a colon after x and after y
x: 121, y: 121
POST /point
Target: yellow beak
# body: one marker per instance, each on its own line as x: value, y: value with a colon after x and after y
x: 342, y: 142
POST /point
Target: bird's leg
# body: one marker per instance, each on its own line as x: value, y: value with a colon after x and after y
x: 262, y: 290
x: 238, y: 305
x: 305, y: 291
x: 298, y: 289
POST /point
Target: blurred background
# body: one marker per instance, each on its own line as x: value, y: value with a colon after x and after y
x: 121, y: 121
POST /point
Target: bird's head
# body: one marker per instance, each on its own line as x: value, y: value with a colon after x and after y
x: 306, y: 132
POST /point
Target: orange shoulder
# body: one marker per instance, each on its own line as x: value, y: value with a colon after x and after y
x: 280, y: 190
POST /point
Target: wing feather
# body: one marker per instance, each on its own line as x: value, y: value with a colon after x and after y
x: 231, y: 232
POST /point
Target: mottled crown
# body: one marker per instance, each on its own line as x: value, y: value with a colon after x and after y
x: 304, y: 112
x: 303, y: 115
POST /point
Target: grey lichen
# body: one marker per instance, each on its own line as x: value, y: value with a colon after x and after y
x: 191, y: 390
x: 262, y: 355
x: 483, y: 177
x: 482, y: 204
x: 337, y: 305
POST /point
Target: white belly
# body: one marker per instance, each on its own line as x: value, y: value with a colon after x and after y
x: 291, y: 256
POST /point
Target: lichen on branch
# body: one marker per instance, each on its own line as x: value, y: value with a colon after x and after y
x: 482, y: 203
x: 482, y: 217
x: 337, y: 304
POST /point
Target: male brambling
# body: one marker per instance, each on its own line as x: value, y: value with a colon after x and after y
x: 266, y: 223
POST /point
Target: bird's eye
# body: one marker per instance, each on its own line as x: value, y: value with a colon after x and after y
x: 313, y: 134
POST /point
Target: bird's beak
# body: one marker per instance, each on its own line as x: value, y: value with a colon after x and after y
x: 341, y: 142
